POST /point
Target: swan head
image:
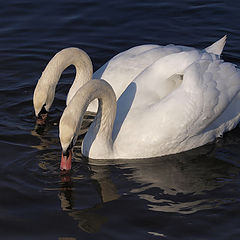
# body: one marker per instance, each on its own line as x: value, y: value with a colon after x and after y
x: 39, y: 104
x: 66, y: 159
x: 67, y: 139
x: 42, y: 100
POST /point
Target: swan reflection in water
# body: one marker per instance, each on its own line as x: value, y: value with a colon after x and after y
x: 89, y: 219
x: 182, y: 183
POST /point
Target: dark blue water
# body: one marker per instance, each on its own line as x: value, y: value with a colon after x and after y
x: 193, y: 195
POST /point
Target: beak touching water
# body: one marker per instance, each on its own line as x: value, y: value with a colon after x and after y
x: 42, y: 116
x: 66, y: 160
x: 41, y: 119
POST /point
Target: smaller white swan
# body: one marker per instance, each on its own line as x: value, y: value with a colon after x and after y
x: 165, y: 117
x: 118, y: 71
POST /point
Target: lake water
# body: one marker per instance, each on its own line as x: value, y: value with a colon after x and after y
x: 193, y: 195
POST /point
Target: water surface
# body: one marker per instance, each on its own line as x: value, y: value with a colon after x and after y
x: 193, y: 195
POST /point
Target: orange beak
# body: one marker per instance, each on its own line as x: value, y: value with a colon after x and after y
x: 66, y: 161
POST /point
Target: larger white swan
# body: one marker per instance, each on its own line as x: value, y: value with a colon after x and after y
x: 157, y: 114
x: 119, y: 71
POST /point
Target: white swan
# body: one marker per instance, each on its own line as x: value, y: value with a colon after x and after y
x: 119, y: 71
x: 170, y: 115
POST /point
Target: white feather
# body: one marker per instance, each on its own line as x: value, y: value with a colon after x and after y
x: 119, y: 71
x: 181, y: 101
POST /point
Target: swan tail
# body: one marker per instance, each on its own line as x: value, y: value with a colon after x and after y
x: 217, y: 47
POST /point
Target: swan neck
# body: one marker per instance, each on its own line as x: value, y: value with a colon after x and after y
x: 54, y: 69
x: 99, y: 135
x: 67, y: 57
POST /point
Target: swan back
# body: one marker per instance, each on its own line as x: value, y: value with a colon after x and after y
x: 123, y: 68
x: 163, y: 76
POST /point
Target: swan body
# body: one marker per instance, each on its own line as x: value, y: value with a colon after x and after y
x: 120, y: 71
x: 181, y: 101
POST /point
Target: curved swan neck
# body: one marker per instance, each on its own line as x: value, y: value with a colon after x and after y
x: 45, y: 90
x: 100, y: 132
x: 65, y: 58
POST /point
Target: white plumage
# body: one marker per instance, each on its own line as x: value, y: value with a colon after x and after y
x: 183, y: 100
x: 118, y: 71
